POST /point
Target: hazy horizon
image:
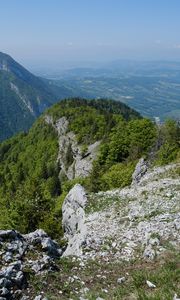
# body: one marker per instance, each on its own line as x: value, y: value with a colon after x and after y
x: 66, y: 33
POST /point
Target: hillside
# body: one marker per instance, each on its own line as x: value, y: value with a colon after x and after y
x: 96, y: 143
x: 29, y: 168
x: 127, y: 240
x: 86, y: 175
x: 23, y: 97
x: 121, y: 245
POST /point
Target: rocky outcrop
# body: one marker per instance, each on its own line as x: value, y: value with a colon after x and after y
x: 35, y: 251
x: 72, y: 160
x: 73, y: 211
x: 140, y: 170
x: 140, y: 221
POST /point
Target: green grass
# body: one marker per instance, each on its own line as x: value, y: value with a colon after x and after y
x: 99, y: 276
x: 98, y: 202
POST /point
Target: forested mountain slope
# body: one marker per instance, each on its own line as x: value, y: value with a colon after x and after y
x: 23, y: 97
x: 96, y: 143
x: 77, y: 175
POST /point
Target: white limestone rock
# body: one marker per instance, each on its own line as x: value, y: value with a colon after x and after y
x: 140, y: 170
x: 142, y: 220
x: 79, y: 164
x: 150, y: 284
x: 74, y: 220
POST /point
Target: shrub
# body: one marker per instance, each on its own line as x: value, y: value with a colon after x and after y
x: 118, y: 176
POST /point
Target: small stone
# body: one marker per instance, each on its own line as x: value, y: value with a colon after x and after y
x: 177, y: 224
x: 4, y: 291
x: 121, y: 280
x: 7, y: 257
x: 149, y: 253
x: 76, y: 277
x: 19, y: 278
x: 84, y: 290
x: 105, y: 291
x: 71, y: 279
x: 114, y: 244
x: 168, y: 194
x: 154, y: 242
x: 150, y: 284
x: 39, y: 297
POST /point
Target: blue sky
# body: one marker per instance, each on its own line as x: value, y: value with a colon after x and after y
x: 54, y: 31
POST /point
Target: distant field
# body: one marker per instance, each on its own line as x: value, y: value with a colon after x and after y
x: 152, y: 89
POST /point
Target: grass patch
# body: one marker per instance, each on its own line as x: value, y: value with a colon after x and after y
x: 98, y: 202
x: 100, y: 280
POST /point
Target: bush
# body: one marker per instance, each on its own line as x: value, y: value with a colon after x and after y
x: 170, y: 143
x: 118, y: 176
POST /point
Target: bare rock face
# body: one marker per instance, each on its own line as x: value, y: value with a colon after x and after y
x: 140, y: 170
x: 73, y: 162
x: 74, y: 220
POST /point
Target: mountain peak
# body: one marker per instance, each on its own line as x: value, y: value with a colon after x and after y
x: 5, y: 59
x: 5, y: 56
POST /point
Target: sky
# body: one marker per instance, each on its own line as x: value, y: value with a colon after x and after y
x: 52, y: 32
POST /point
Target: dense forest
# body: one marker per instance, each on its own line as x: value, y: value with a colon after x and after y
x: 23, y: 97
x: 31, y: 191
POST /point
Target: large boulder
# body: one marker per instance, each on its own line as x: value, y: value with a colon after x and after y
x: 74, y: 220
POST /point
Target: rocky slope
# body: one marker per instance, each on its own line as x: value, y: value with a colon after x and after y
x: 20, y: 254
x: 140, y: 221
x: 79, y: 164
x: 119, y: 244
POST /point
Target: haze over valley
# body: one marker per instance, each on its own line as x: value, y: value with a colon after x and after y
x: 152, y: 88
